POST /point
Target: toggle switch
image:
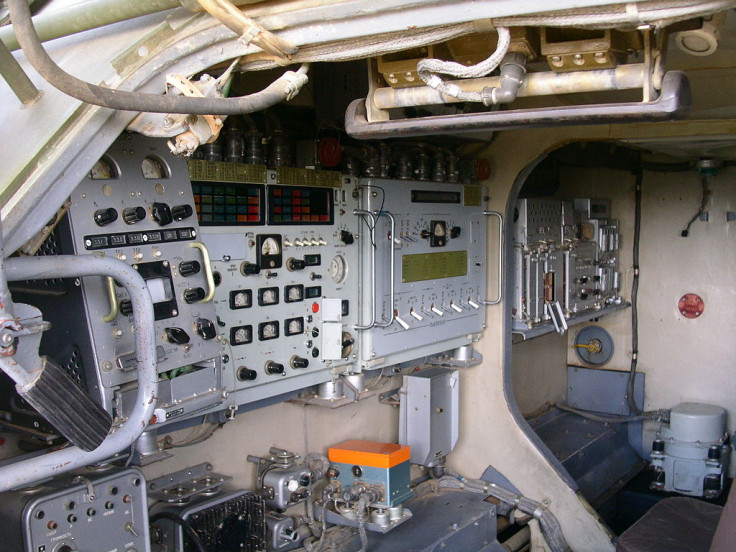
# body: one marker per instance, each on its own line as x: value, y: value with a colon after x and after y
x: 437, y: 311
x: 473, y: 304
x: 416, y: 315
x: 402, y: 323
x: 454, y: 307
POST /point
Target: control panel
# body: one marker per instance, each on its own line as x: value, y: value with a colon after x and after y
x: 423, y: 277
x: 136, y: 205
x: 105, y: 511
x: 284, y: 251
x: 565, y: 260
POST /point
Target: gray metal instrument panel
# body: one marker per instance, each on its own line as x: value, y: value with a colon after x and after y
x: 137, y: 205
x: 438, y: 274
x: 104, y: 512
x: 287, y: 283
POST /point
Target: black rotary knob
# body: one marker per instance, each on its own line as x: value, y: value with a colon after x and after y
x: 249, y: 269
x: 193, y: 295
x: 296, y: 264
x: 273, y: 368
x: 188, y: 268
x: 205, y: 328
x: 103, y: 217
x: 246, y: 374
x: 161, y: 213
x: 131, y: 215
x: 177, y: 336
x: 181, y: 212
x: 299, y: 362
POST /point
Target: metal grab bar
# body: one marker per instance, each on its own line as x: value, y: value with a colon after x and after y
x: 364, y: 213
x: 66, y: 266
x: 392, y: 256
x: 202, y: 248
x: 499, y: 291
x: 374, y: 219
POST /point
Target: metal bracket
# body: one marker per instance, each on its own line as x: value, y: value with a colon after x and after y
x: 673, y: 102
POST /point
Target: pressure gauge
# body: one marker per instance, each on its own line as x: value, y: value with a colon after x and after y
x: 241, y: 335
x: 241, y: 299
x: 268, y: 251
x: 294, y: 326
x: 153, y: 168
x: 104, y: 169
x: 294, y: 293
x: 268, y: 330
x: 268, y: 296
x: 338, y: 269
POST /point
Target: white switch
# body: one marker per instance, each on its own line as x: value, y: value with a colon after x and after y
x: 454, y: 307
x: 416, y: 315
x: 473, y: 304
x: 402, y: 323
x: 437, y: 311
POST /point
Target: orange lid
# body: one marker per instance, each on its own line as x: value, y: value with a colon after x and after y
x: 369, y: 453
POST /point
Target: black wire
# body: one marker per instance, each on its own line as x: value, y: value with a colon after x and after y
x: 191, y: 533
x: 701, y: 209
x: 633, y: 408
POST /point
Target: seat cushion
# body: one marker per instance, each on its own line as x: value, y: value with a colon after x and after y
x: 673, y: 525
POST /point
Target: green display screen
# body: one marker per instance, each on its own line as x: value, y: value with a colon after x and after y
x: 434, y: 266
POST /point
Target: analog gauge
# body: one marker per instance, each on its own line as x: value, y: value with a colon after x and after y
x: 268, y: 296
x: 294, y: 326
x: 241, y: 299
x: 153, y: 168
x: 294, y: 294
x: 338, y: 269
x: 270, y: 247
x: 268, y: 251
x: 268, y: 330
x: 241, y: 335
x: 104, y: 169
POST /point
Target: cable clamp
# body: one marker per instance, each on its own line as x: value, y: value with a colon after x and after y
x: 250, y: 34
x: 453, y: 90
x: 434, y: 81
x: 539, y: 511
x: 294, y: 83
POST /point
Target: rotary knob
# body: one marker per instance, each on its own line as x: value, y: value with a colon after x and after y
x: 299, y: 362
x: 103, y: 217
x: 273, y: 368
x: 181, y: 212
x: 131, y: 215
x: 161, y: 213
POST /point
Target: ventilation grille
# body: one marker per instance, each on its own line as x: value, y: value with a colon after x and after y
x: 237, y: 525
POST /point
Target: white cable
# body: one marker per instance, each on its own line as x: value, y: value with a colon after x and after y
x: 473, y: 71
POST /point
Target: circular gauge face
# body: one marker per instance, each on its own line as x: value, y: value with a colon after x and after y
x: 295, y: 294
x: 270, y: 247
x: 338, y: 269
x: 295, y: 327
x: 268, y: 297
x: 241, y: 300
x: 153, y: 168
x: 269, y: 331
x: 103, y: 170
x: 242, y: 335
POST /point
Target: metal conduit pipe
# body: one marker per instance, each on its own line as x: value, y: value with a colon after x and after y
x: 513, y: 69
x: 284, y: 88
x: 65, y: 266
x: 624, y: 77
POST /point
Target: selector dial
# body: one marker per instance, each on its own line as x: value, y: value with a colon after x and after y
x: 103, y: 217
x: 131, y: 215
x: 338, y: 269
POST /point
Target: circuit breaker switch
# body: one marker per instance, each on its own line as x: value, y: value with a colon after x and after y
x: 437, y: 311
x: 473, y: 304
x: 416, y: 315
x: 401, y: 322
x: 454, y: 307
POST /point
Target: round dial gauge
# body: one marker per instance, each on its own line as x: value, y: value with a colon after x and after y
x: 241, y: 300
x: 270, y: 247
x: 153, y: 168
x: 241, y: 335
x: 103, y: 170
x: 295, y: 294
x: 338, y: 269
x: 295, y: 327
x: 269, y: 331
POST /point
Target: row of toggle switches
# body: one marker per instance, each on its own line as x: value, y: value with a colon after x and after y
x: 433, y: 310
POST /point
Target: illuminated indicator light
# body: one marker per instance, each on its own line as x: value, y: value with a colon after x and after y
x: 315, y: 307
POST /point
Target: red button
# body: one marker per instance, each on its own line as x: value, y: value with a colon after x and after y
x: 315, y: 307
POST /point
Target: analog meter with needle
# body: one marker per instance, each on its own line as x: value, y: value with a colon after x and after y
x: 104, y: 169
x: 268, y: 251
x: 153, y: 168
